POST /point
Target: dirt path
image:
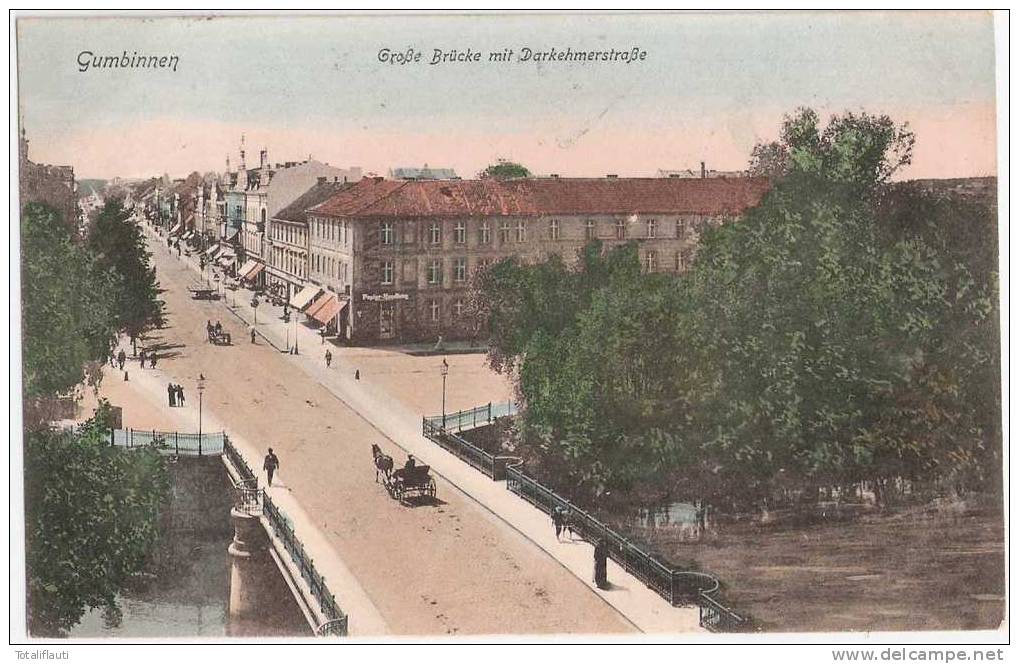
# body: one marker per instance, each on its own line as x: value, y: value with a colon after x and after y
x: 450, y: 568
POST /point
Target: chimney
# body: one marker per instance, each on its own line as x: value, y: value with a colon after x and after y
x: 704, y: 172
x: 611, y: 176
x: 263, y: 157
x: 228, y: 163
x: 554, y: 176
x: 322, y: 179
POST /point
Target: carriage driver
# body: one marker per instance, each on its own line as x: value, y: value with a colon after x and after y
x: 411, y: 462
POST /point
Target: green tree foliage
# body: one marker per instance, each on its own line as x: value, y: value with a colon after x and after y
x: 843, y: 330
x: 118, y: 243
x: 91, y: 518
x: 68, y: 299
x: 505, y: 170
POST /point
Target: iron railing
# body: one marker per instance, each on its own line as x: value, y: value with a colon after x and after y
x: 284, y: 530
x: 473, y: 455
x: 474, y: 417
x: 678, y: 587
x: 238, y: 462
x: 170, y: 442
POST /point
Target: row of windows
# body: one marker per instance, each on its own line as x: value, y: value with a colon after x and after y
x: 330, y: 267
x: 288, y: 233
x: 290, y: 261
x: 434, y: 270
x: 331, y: 230
x: 435, y: 309
x: 509, y: 232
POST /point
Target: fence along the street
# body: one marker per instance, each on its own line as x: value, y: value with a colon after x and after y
x: 678, y: 587
x: 170, y: 442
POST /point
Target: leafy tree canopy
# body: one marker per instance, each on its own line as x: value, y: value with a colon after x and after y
x: 504, y: 170
x: 91, y: 518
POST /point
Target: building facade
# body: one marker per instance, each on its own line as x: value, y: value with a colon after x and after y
x: 403, y: 252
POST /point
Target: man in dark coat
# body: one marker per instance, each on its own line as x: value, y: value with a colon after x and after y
x: 272, y: 463
x: 171, y: 395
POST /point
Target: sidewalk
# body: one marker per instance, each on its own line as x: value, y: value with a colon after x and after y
x: 644, y: 608
x: 149, y: 386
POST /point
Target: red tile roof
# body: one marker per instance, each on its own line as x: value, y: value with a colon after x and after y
x: 537, y: 196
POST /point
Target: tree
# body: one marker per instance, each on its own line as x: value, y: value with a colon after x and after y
x: 119, y: 244
x: 90, y: 520
x: 505, y: 170
x: 68, y: 299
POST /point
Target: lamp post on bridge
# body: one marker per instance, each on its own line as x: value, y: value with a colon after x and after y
x: 444, y: 371
x: 201, y: 391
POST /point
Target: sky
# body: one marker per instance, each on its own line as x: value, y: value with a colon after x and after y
x: 710, y: 87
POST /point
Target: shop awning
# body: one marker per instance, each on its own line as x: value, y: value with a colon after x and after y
x: 318, y: 304
x: 304, y: 298
x: 187, y: 236
x: 328, y: 310
x: 226, y: 260
x: 231, y: 235
x: 247, y: 267
x: 211, y: 251
x: 175, y: 229
x: 254, y: 271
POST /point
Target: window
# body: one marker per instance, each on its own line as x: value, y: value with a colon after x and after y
x: 433, y: 305
x: 520, y: 231
x: 386, y: 232
x: 460, y: 269
x: 651, y: 228
x: 553, y: 229
x: 387, y: 273
x: 589, y: 229
x: 435, y: 272
x: 460, y: 232
x: 435, y: 233
x: 504, y: 232
x: 651, y: 261
x: 680, y: 229
x: 458, y: 308
x: 620, y: 229
x: 486, y: 233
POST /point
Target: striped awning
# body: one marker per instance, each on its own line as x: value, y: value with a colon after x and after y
x: 211, y: 251
x: 325, y: 309
x: 251, y: 274
x: 305, y: 297
x: 175, y: 229
x: 247, y: 267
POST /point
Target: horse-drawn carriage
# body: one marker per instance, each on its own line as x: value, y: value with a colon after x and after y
x: 218, y: 336
x: 402, y: 483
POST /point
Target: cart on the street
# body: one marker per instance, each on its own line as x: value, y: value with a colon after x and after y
x: 203, y: 293
x: 407, y: 482
x: 220, y: 338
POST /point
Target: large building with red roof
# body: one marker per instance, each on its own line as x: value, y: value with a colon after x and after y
x: 396, y: 257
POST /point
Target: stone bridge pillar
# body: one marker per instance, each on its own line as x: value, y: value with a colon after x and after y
x: 252, y: 573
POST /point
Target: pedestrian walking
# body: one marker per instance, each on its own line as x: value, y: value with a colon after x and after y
x: 557, y: 521
x: 171, y: 395
x: 329, y: 359
x: 357, y: 374
x: 152, y: 361
x: 272, y: 463
x: 252, y: 335
x: 121, y: 358
x: 141, y: 358
x: 180, y: 396
x: 601, y: 557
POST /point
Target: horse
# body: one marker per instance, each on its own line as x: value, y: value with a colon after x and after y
x: 383, y: 462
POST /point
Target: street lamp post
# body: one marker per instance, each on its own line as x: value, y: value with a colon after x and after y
x: 444, y: 370
x: 254, y: 306
x: 201, y: 391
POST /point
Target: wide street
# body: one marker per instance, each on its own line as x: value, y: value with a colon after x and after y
x: 448, y: 568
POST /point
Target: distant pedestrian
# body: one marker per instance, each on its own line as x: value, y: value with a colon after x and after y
x: 152, y: 361
x: 601, y: 557
x: 219, y: 327
x: 329, y: 359
x: 272, y: 462
x: 557, y: 521
x: 141, y: 358
x: 171, y: 395
x: 180, y: 396
x: 357, y: 374
x: 252, y: 335
x: 121, y: 358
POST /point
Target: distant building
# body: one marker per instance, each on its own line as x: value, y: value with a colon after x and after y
x: 423, y: 173
x: 396, y: 256
x: 287, y: 238
x: 52, y: 185
x: 702, y: 172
